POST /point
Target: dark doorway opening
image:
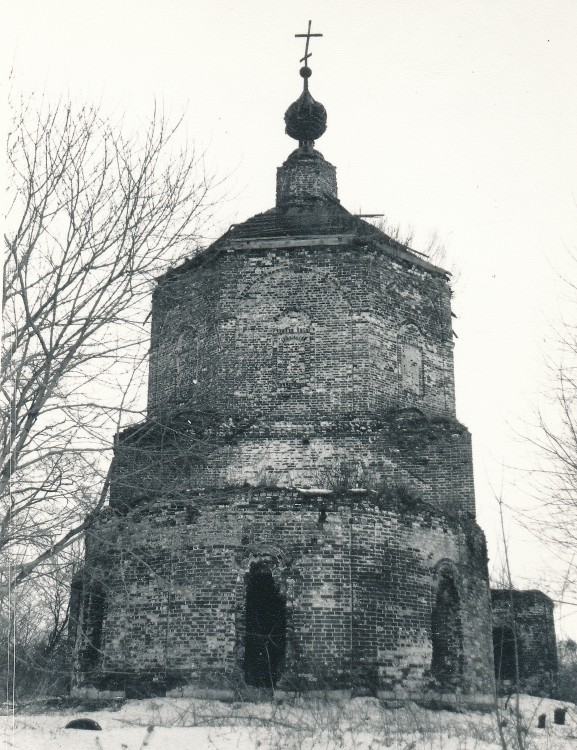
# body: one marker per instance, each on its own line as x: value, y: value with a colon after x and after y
x: 95, y: 610
x: 504, y: 651
x: 447, y: 634
x: 265, y: 639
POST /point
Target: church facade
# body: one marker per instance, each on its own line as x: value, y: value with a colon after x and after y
x: 297, y: 510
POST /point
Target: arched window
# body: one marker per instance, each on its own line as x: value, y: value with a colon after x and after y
x: 447, y: 633
x: 265, y: 632
x: 75, y: 608
x: 186, y: 360
x: 504, y: 652
x: 410, y: 353
x: 94, y: 610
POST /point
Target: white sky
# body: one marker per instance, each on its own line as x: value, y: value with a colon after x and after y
x: 455, y: 117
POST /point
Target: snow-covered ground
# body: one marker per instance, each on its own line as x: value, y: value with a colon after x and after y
x: 306, y: 724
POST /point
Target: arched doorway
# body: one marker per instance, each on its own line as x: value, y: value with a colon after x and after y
x: 265, y: 627
x: 447, y: 633
x: 504, y: 652
x: 87, y: 613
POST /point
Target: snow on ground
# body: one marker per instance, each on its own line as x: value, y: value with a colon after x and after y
x: 300, y: 724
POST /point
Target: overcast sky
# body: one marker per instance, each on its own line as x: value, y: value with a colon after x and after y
x: 455, y: 117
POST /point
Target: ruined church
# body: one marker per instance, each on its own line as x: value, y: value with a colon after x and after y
x: 297, y: 510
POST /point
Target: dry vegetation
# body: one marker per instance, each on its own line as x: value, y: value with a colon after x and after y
x: 302, y: 723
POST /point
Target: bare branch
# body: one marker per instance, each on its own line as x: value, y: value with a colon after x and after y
x: 94, y: 217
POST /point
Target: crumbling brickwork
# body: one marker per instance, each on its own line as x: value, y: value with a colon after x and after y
x: 305, y: 175
x: 431, y: 457
x: 301, y: 495
x: 360, y: 574
x: 309, y: 330
x: 524, y: 641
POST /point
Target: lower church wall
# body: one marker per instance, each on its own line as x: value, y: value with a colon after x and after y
x: 357, y: 579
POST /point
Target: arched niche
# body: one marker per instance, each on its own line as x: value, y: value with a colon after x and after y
x: 292, y: 349
x: 90, y: 623
x: 504, y: 651
x: 410, y: 357
x: 446, y: 630
x: 265, y: 625
x: 186, y: 359
x: 175, y: 358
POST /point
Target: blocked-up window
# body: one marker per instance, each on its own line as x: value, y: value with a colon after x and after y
x: 293, y: 349
x: 447, y: 633
x: 292, y: 355
x: 410, y: 353
x: 186, y: 359
x: 411, y: 367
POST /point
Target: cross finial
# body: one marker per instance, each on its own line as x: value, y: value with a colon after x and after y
x: 306, y: 119
x: 308, y: 36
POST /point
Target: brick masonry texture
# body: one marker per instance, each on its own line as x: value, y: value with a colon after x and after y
x: 430, y: 457
x: 359, y: 574
x: 309, y: 331
x: 532, y: 614
x: 301, y: 424
x: 305, y: 175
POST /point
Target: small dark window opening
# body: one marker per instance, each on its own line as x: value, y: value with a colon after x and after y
x: 504, y: 651
x: 447, y: 634
x: 265, y: 639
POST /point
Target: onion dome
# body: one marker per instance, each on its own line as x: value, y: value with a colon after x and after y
x: 306, y: 119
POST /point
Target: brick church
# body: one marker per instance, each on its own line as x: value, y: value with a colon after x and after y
x: 297, y: 510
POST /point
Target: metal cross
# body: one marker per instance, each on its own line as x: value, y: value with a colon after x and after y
x: 308, y: 36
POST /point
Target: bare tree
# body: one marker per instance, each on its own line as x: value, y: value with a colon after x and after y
x: 33, y: 635
x: 93, y: 216
x: 555, y: 475
x: 568, y: 670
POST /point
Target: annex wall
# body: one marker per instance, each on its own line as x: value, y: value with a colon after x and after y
x: 523, y: 622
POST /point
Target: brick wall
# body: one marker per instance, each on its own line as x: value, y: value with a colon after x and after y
x: 301, y: 433
x: 432, y: 458
x: 359, y: 574
x: 305, y: 175
x: 531, y: 613
x: 303, y: 331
